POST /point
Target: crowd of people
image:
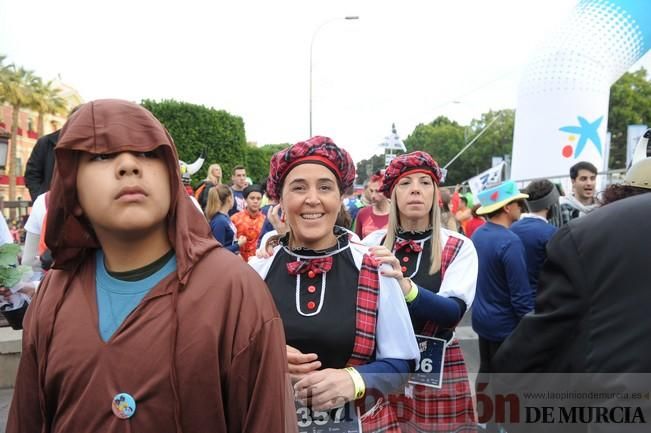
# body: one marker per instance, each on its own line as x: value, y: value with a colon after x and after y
x: 292, y: 303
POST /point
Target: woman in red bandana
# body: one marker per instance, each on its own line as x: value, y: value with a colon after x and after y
x: 440, y: 270
x: 348, y: 330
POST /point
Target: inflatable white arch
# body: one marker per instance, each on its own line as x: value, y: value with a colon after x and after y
x: 562, y: 106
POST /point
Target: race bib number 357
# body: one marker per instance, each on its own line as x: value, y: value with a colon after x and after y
x: 344, y: 419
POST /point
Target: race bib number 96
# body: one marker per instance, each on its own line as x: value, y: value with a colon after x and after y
x: 429, y: 371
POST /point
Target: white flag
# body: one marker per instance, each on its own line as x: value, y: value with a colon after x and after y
x: 486, y: 179
x: 393, y: 142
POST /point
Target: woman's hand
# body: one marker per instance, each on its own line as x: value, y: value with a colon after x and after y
x: 28, y: 289
x: 267, y: 250
x: 276, y: 221
x: 300, y: 363
x: 241, y: 240
x: 384, y: 256
x: 262, y: 254
x: 325, y: 389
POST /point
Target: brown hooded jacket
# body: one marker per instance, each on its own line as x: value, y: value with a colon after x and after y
x: 203, y: 351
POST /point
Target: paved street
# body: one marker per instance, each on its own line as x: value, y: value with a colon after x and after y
x: 5, y: 400
x: 469, y: 345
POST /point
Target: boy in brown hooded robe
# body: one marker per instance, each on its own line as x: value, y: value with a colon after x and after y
x: 145, y: 324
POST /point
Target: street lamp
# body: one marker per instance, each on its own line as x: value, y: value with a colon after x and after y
x: 353, y: 17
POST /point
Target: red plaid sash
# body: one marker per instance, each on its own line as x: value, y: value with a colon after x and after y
x: 382, y: 418
x: 368, y: 293
x: 449, y: 253
x: 317, y: 265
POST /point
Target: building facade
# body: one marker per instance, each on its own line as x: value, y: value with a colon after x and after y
x: 26, y: 139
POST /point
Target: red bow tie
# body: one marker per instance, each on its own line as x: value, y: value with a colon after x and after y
x: 318, y: 266
x: 407, y: 243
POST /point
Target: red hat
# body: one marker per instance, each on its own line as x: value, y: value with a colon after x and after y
x: 408, y: 163
x: 318, y: 150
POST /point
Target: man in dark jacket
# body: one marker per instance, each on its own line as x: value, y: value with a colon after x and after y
x: 40, y: 165
x: 597, y: 272
x: 38, y: 171
x: 591, y: 315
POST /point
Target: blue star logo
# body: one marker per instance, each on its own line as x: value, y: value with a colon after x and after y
x: 587, y: 131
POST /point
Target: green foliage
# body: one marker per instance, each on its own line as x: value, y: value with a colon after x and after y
x: 11, y: 275
x: 196, y: 128
x: 21, y: 88
x: 257, y: 160
x: 496, y: 141
x: 10, y: 272
x: 9, y: 254
x: 17, y: 86
x: 630, y: 104
x: 46, y: 100
x: 366, y: 167
x: 443, y: 139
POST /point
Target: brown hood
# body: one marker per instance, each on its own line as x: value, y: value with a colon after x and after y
x: 110, y: 126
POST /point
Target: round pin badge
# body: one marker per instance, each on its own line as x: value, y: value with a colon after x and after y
x: 124, y: 406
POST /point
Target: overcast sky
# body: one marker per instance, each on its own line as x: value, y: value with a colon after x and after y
x: 402, y: 61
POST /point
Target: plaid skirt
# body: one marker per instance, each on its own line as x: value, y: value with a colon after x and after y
x: 381, y: 419
x: 445, y: 410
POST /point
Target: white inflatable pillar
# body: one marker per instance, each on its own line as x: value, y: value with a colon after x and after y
x: 562, y: 107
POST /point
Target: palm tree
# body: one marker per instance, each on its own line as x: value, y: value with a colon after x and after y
x: 3, y: 71
x: 46, y: 100
x: 15, y: 89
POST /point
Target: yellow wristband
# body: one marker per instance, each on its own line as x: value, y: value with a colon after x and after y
x: 409, y: 297
x: 358, y: 382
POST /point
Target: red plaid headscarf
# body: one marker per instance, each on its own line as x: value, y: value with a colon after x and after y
x: 408, y: 163
x: 319, y: 150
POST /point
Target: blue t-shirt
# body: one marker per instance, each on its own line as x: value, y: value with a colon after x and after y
x: 239, y: 202
x: 116, y: 299
x: 267, y: 226
x: 534, y: 234
x: 353, y: 205
x: 503, y: 293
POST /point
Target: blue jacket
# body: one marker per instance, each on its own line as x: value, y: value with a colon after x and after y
x: 534, y: 234
x: 503, y: 292
x: 224, y: 231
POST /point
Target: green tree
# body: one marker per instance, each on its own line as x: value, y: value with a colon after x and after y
x: 497, y: 140
x: 444, y: 139
x: 257, y: 160
x: 630, y: 103
x: 197, y: 129
x: 16, y: 89
x: 367, y: 167
x: 46, y: 100
x: 3, y: 68
x: 4, y: 71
